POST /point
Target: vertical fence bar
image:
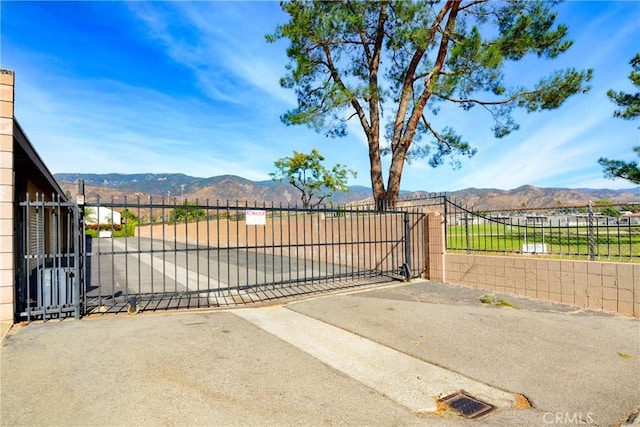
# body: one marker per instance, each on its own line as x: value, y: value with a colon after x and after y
x: 608, y: 239
x: 25, y: 261
x: 618, y: 238
x: 273, y: 246
x: 263, y: 247
x: 305, y: 214
x: 466, y: 232
x: 326, y: 242
x: 246, y: 242
x: 41, y: 254
x: 208, y: 211
x: 590, y: 232
x: 297, y: 244
x: 359, y: 246
x: 218, y: 220
x: 185, y: 211
x: 630, y: 237
x: 175, y: 246
x: 152, y: 242
x: 388, y: 251
x: 281, y: 242
x: 238, y: 242
x: 78, y: 240
x: 197, y: 214
x: 339, y: 244
x: 58, y: 274
x: 227, y: 246
x: 290, y: 245
x: 314, y: 214
x: 447, y: 224
x: 164, y: 248
x: 569, y: 238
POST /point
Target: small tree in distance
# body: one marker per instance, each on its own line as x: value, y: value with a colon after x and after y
x: 606, y: 207
x: 307, y: 173
x: 187, y: 212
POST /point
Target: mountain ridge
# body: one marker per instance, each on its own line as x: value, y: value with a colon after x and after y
x: 235, y: 188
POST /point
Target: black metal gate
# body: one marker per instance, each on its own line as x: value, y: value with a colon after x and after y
x: 118, y: 256
x: 156, y: 256
x: 49, y: 268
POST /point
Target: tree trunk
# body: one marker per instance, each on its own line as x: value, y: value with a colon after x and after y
x: 395, y: 176
x: 377, y: 183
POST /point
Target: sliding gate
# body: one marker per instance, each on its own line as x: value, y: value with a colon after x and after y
x: 154, y: 256
x: 119, y: 256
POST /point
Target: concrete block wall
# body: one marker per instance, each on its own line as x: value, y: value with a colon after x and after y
x: 6, y: 200
x: 606, y: 286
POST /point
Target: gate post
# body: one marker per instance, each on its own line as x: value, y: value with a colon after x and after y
x: 592, y: 255
x: 78, y: 252
x: 406, y: 267
x: 81, y: 249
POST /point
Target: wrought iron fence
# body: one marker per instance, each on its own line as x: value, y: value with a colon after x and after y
x: 49, y: 270
x: 578, y: 231
x: 166, y: 254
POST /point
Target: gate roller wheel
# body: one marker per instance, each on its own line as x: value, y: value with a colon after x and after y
x: 133, y: 307
x: 133, y: 310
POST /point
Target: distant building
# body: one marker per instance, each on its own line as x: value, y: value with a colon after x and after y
x: 629, y: 218
x: 103, y: 215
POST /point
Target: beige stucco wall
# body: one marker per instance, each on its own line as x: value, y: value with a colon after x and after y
x: 608, y: 286
x: 6, y: 200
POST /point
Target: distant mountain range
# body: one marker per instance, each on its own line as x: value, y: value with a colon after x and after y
x: 234, y: 188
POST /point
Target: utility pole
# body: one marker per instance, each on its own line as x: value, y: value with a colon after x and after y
x: 182, y: 193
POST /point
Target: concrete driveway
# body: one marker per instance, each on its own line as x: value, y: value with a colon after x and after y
x: 374, y: 357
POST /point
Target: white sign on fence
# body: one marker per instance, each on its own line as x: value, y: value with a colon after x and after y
x: 534, y: 248
x: 256, y: 217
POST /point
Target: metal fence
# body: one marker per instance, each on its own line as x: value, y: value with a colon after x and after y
x: 575, y: 232
x: 49, y: 271
x: 164, y: 254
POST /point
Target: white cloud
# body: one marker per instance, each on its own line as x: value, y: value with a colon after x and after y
x: 226, y: 119
x: 217, y: 49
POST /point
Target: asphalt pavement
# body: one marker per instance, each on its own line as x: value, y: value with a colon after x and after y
x: 381, y: 357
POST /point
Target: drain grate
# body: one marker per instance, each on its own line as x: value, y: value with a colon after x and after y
x: 467, y: 406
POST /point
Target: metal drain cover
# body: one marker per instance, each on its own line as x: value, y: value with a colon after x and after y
x: 467, y: 406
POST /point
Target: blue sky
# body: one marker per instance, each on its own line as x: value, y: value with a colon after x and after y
x: 193, y: 88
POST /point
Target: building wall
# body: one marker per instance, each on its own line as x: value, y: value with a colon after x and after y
x: 7, y: 212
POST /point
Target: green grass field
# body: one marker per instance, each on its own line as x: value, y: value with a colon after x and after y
x: 609, y: 242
